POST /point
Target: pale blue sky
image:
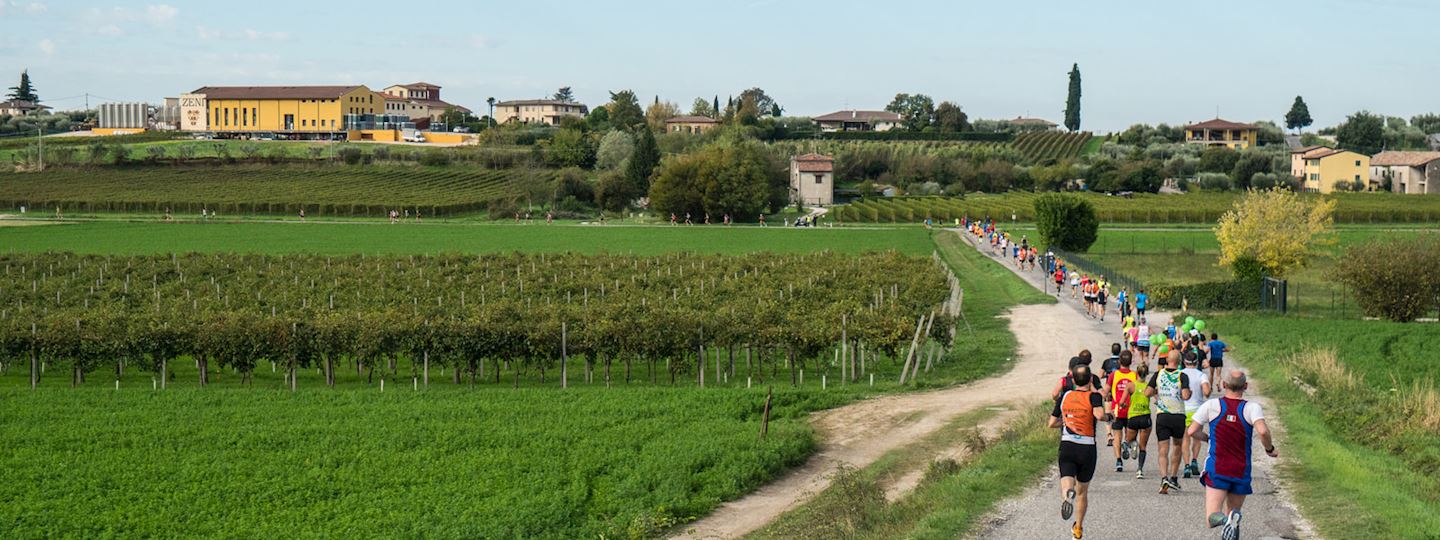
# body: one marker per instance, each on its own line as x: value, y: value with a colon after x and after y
x: 1143, y: 61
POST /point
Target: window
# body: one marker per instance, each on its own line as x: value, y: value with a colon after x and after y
x: 1357, y: 163
x: 819, y: 179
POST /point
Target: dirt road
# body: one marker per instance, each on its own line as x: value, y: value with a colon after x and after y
x: 858, y: 434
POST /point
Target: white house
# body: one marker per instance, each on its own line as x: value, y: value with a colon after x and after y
x: 812, y: 180
x: 1408, y: 172
x: 857, y: 121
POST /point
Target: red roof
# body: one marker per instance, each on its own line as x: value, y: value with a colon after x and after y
x: 858, y: 116
x: 1220, y: 124
x: 812, y: 163
x: 1405, y: 159
x: 692, y: 120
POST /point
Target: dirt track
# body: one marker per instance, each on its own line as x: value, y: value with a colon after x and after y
x: 859, y: 433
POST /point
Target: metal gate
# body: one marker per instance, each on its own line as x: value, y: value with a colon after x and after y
x: 1273, y: 295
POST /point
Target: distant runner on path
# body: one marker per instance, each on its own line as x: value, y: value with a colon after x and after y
x: 1076, y: 413
x: 1232, y: 423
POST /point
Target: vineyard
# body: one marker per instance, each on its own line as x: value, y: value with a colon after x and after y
x: 1049, y: 146
x: 1192, y: 208
x: 319, y: 190
x: 478, y: 316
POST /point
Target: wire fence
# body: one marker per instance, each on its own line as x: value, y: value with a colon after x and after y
x: 1088, y: 266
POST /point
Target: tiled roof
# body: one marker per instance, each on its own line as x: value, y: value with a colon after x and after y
x: 21, y: 104
x: 692, y: 120
x: 512, y: 103
x: 814, y: 163
x: 858, y: 116
x: 1306, y: 149
x: 1404, y: 159
x: 1220, y: 124
x: 274, y: 92
x: 1032, y: 122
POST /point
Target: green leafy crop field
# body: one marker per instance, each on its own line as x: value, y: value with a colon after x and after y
x: 321, y: 190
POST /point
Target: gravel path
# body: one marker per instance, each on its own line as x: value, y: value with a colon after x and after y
x: 858, y: 434
x: 1123, y: 507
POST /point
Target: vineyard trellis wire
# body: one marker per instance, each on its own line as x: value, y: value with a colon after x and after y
x: 518, y: 313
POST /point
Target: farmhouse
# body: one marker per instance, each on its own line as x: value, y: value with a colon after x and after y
x: 812, y: 180
x: 538, y: 111
x: 1297, y: 159
x: 690, y: 124
x: 1032, y: 124
x: 1219, y: 132
x: 857, y: 121
x: 421, y: 100
x: 18, y: 107
x: 1408, y: 172
x: 1326, y: 168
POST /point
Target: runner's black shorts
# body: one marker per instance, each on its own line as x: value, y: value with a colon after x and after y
x: 1137, y: 423
x: 1077, y: 460
x: 1217, y: 362
x: 1169, y: 426
x: 1119, y: 424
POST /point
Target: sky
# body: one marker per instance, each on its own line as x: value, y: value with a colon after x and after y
x: 1142, y: 61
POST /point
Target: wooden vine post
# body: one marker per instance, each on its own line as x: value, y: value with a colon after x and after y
x: 765, y: 416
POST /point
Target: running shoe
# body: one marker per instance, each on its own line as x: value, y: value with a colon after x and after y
x: 1232, y: 527
x: 1187, y: 471
x: 1077, y: 532
x: 1217, y: 519
x: 1164, y: 486
x: 1067, y: 506
x: 1175, y: 484
x: 1140, y: 475
x: 1125, y: 450
x: 1119, y: 466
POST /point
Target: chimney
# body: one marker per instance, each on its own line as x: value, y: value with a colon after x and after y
x: 853, y: 113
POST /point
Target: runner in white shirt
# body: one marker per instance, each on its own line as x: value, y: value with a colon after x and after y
x: 1199, y: 392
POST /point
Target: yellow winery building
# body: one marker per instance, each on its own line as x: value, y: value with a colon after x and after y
x: 292, y: 111
x: 1326, y: 168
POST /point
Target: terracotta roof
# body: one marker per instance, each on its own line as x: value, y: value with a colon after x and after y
x: 21, y: 104
x: 1322, y: 152
x: 1220, y: 124
x: 812, y: 163
x: 514, y: 102
x: 419, y: 85
x: 858, y: 116
x: 274, y: 92
x: 1404, y: 159
x: 692, y: 120
x: 1307, y: 149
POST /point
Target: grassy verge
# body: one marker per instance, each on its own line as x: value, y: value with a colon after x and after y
x: 948, y: 502
x: 1363, y: 459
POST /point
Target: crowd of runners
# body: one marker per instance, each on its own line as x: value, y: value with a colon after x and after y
x: 1171, y: 401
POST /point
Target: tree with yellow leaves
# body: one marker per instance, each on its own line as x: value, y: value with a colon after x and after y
x: 1272, y: 232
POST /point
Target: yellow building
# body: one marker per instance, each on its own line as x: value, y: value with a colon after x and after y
x: 301, y: 111
x: 691, y: 124
x: 1219, y: 132
x: 1325, y: 168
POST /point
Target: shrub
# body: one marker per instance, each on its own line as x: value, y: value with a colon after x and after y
x: 435, y: 158
x: 1398, y: 280
x: 1213, y: 181
x: 349, y: 155
x: 1066, y: 221
x: 1211, y: 296
x: 502, y: 208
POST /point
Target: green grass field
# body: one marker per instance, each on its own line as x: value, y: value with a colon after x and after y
x: 382, y: 238
x: 1363, y: 461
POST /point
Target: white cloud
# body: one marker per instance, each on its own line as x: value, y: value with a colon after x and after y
x: 21, y: 8
x: 251, y: 34
x: 159, y: 14
x: 46, y: 46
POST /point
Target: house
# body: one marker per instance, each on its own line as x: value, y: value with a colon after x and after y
x: 1325, y: 168
x: 812, y: 180
x: 1225, y: 133
x: 421, y: 100
x: 690, y: 124
x: 1032, y: 124
x: 857, y: 121
x: 1297, y: 159
x: 18, y: 107
x: 1408, y: 172
x: 538, y: 111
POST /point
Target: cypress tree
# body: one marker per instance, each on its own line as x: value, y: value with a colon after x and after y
x: 1299, y: 116
x: 1072, y: 102
x: 643, y: 161
x: 717, y: 106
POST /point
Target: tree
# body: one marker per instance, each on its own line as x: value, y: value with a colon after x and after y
x: 1427, y: 123
x: 1248, y: 165
x: 1299, y: 116
x: 916, y: 111
x: 657, y: 113
x: 570, y: 148
x: 1072, y: 100
x: 564, y: 94
x: 642, y: 161
x: 598, y: 119
x: 615, y: 148
x: 1218, y: 159
x: 776, y: 111
x: 624, y: 110
x: 949, y: 117
x: 748, y: 111
x: 1398, y: 280
x: 702, y: 107
x: 24, y: 91
x: 1362, y: 132
x: 1066, y: 221
x: 491, y: 102
x: 1275, y: 230
x: 762, y: 102
x: 733, y: 177
x: 715, y: 107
